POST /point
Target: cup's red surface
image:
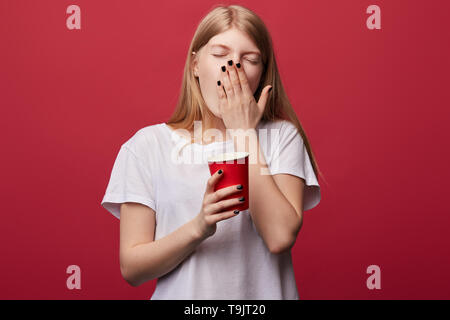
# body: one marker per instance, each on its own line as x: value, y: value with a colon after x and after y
x: 235, y: 172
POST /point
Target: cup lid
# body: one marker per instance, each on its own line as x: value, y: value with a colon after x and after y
x: 228, y: 156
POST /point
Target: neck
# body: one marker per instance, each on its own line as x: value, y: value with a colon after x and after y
x: 215, y: 123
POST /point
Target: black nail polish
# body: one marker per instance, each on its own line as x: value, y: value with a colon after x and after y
x: 239, y: 187
x: 242, y: 199
x: 230, y: 62
x: 223, y: 68
x: 238, y: 65
x: 220, y: 171
x: 218, y: 82
x: 236, y: 211
x: 270, y: 89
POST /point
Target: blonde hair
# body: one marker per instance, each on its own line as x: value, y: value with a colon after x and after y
x: 191, y: 105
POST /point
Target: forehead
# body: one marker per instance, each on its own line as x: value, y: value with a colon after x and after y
x: 231, y: 39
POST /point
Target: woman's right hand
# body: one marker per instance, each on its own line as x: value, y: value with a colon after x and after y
x: 214, y: 208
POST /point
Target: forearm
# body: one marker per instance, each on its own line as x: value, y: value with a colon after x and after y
x: 274, y: 217
x: 151, y: 260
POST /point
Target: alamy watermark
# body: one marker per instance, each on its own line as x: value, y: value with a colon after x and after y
x: 374, y: 280
x: 74, y: 280
x: 269, y: 145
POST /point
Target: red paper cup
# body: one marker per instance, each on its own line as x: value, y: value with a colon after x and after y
x: 235, y: 171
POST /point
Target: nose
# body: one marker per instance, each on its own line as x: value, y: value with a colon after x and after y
x: 235, y: 58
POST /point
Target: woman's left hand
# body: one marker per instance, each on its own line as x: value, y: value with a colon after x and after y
x: 237, y: 105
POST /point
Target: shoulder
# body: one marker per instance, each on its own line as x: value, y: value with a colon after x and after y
x: 285, y: 127
x: 277, y: 123
x: 143, y: 138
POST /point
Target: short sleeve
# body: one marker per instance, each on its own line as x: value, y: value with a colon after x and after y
x: 290, y: 156
x: 130, y: 181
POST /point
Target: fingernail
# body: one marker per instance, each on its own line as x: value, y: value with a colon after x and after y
x: 270, y: 89
x: 239, y: 187
x: 230, y: 62
x: 223, y: 68
x: 220, y: 171
x: 218, y: 82
x: 236, y: 211
x: 242, y: 199
x: 238, y: 65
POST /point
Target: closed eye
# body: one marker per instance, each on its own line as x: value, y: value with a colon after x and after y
x: 223, y: 55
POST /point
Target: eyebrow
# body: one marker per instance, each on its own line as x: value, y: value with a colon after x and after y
x: 224, y: 46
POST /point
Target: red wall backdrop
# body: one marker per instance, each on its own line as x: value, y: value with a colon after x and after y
x: 374, y: 104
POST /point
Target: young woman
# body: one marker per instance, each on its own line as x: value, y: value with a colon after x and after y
x: 166, y: 203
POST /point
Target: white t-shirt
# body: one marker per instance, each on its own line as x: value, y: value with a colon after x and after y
x: 151, y: 168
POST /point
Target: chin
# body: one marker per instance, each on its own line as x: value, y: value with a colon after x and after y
x: 216, y: 113
x: 214, y: 109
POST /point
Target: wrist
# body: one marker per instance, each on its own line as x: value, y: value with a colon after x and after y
x: 196, y: 231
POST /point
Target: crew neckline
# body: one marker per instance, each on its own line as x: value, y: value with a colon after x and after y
x: 195, y: 144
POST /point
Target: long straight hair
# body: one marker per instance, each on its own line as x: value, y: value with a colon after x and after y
x: 191, y: 105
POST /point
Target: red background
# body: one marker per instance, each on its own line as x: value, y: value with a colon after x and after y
x: 374, y: 104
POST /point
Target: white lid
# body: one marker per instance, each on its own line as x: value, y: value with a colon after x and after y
x: 227, y: 156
